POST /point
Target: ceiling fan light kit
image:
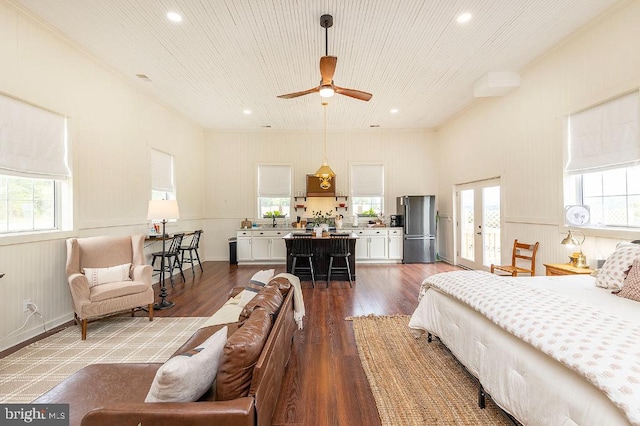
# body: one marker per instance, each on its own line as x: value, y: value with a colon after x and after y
x: 326, y: 88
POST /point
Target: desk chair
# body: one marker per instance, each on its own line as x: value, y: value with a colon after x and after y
x: 301, y: 247
x: 339, y: 248
x: 517, y: 253
x: 190, y: 250
x: 171, y: 257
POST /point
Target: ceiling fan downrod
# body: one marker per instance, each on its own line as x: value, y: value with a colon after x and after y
x: 326, y: 22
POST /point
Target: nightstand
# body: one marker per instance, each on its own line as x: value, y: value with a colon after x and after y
x: 565, y: 269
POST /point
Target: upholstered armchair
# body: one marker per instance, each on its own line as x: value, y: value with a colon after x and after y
x: 108, y: 275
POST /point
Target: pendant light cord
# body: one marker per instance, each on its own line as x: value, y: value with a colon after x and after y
x: 324, y: 150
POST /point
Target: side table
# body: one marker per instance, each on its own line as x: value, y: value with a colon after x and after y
x: 565, y: 269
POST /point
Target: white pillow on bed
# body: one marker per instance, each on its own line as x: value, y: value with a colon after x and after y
x: 612, y: 273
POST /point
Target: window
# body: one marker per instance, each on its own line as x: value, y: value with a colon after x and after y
x: 274, y: 190
x: 33, y: 168
x: 602, y: 169
x: 162, y: 183
x: 367, y: 188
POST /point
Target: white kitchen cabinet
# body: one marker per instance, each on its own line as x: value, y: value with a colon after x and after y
x: 371, y: 244
x: 244, y: 246
x: 264, y: 245
x: 395, y: 244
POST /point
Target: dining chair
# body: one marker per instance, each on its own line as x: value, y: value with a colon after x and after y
x: 521, y: 252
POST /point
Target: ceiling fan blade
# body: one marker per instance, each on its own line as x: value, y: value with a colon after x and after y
x: 296, y: 94
x: 358, y: 94
x: 327, y: 68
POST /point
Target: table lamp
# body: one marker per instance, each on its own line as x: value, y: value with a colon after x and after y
x: 163, y: 210
x: 570, y: 240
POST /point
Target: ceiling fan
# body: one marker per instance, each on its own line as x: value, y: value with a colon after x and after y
x: 326, y: 88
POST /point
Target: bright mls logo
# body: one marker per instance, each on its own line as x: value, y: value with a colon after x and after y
x: 34, y: 414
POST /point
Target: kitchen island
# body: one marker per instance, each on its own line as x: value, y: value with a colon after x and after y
x: 320, y: 247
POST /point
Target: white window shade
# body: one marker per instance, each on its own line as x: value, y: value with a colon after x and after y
x: 274, y: 181
x: 367, y: 180
x: 32, y: 140
x: 161, y: 171
x: 605, y: 135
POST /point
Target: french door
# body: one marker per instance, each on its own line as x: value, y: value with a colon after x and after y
x: 478, y: 224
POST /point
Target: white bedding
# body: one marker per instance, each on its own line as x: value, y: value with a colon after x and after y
x: 533, y: 387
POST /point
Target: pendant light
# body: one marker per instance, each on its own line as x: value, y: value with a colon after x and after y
x: 325, y: 173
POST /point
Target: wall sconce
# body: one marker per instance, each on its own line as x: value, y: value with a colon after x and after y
x: 571, y: 241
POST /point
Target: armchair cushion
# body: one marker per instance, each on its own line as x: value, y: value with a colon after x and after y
x: 111, y: 274
x: 116, y: 289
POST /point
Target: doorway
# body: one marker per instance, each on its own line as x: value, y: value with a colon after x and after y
x: 478, y: 224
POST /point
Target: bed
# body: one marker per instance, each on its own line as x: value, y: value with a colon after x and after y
x: 553, y: 350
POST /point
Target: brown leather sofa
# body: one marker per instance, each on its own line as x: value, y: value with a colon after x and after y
x: 114, y: 394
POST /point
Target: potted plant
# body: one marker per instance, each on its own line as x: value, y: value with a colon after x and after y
x: 321, y: 220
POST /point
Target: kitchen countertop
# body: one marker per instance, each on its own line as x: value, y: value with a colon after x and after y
x: 291, y: 229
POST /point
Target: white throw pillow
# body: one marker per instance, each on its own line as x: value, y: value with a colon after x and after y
x: 188, y: 376
x: 612, y: 273
x: 97, y: 276
x: 260, y: 279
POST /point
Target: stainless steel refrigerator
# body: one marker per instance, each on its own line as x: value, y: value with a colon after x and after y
x: 419, y: 222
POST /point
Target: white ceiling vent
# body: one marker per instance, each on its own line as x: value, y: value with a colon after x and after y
x: 496, y: 83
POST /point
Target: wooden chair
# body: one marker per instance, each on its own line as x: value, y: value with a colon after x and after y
x: 514, y: 269
x: 301, y: 246
x: 171, y: 257
x: 339, y: 247
x: 192, y: 248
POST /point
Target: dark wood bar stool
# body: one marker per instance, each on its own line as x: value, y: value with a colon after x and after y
x: 171, y: 257
x: 192, y: 249
x: 301, y: 247
x: 339, y: 248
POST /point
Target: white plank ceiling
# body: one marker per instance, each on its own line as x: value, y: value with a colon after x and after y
x: 230, y: 55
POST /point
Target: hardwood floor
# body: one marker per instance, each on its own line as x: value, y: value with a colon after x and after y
x: 324, y: 383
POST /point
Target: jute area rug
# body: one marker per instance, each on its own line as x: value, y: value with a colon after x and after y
x: 415, y: 382
x: 33, y: 370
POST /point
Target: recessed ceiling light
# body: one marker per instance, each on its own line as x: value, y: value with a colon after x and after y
x: 393, y: 110
x: 247, y: 111
x: 374, y: 125
x: 174, y: 17
x: 465, y: 17
x: 143, y: 77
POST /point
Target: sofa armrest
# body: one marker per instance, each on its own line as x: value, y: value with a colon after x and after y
x: 142, y: 274
x: 237, y: 412
x: 235, y: 291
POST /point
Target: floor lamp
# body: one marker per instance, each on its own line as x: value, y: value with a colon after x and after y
x: 163, y: 210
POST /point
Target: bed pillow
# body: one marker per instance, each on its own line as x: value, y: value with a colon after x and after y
x: 631, y: 287
x: 113, y: 274
x: 189, y: 375
x: 612, y: 273
x: 260, y: 279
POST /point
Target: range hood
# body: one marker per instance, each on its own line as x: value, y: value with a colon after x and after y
x: 314, y: 189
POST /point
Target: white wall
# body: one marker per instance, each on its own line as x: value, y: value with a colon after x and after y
x: 409, y: 159
x: 520, y: 137
x: 112, y: 129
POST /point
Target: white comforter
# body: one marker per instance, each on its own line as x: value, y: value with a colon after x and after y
x: 591, y: 332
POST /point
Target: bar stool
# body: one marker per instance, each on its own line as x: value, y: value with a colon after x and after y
x: 171, y: 257
x: 190, y: 249
x: 339, y: 247
x: 301, y: 246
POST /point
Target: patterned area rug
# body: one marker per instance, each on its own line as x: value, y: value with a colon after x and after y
x: 33, y: 370
x: 415, y: 382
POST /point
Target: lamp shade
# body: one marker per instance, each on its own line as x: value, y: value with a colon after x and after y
x: 325, y: 172
x: 570, y: 240
x: 163, y: 210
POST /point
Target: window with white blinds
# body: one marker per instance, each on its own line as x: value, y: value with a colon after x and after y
x: 274, y: 190
x: 367, y: 188
x: 33, y: 168
x: 162, y: 176
x: 603, y: 164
